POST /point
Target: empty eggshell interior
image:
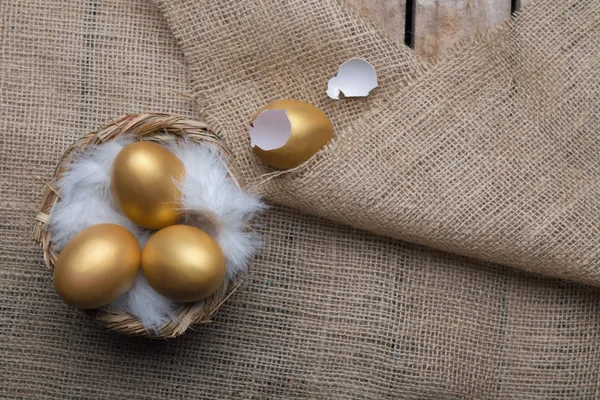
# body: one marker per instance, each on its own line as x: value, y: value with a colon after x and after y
x: 270, y: 130
x: 355, y: 78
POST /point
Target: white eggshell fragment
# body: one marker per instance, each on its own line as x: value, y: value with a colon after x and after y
x: 355, y: 78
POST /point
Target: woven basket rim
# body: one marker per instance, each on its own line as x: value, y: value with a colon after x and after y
x: 158, y: 128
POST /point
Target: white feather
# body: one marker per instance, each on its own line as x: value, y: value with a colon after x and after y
x: 86, y: 199
x: 210, y: 201
x: 146, y: 304
x: 213, y: 202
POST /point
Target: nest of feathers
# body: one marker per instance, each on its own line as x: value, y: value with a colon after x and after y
x: 169, y: 131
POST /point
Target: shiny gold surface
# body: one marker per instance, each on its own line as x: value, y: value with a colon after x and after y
x: 311, y: 130
x: 98, y: 265
x: 142, y: 184
x: 183, y: 263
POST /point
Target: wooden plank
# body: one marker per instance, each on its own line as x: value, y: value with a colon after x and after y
x: 440, y: 24
x: 389, y: 14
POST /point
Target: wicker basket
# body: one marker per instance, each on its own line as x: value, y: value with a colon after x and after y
x: 159, y: 128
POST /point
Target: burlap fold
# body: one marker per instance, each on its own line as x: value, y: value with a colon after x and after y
x: 327, y: 312
x: 492, y: 153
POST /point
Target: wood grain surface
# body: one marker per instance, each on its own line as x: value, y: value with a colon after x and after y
x: 440, y: 24
x: 389, y: 14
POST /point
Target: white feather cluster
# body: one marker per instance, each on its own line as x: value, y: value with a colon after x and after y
x: 210, y: 201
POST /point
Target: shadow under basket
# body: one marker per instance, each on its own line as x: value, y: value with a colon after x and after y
x: 158, y: 128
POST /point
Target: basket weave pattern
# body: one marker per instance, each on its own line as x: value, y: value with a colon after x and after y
x: 158, y: 128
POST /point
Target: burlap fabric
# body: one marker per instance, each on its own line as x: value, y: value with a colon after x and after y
x: 328, y: 311
x: 491, y: 154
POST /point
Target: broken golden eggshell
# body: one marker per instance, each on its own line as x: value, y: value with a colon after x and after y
x: 308, y: 131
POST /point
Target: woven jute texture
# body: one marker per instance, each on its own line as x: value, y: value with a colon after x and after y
x: 492, y: 153
x: 327, y: 311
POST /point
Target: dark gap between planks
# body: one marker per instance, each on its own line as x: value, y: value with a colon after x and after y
x: 409, y: 24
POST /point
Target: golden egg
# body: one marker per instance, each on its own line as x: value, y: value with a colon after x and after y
x: 98, y: 265
x: 309, y: 130
x: 183, y: 263
x: 142, y: 184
